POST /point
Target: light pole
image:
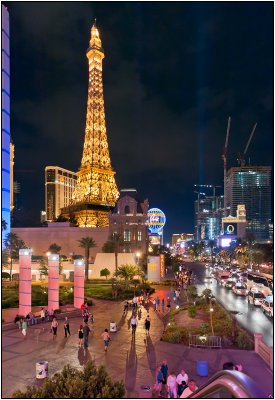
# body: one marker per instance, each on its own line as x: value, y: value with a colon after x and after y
x: 211, y: 312
x: 138, y: 256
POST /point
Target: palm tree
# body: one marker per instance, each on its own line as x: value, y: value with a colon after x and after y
x: 87, y: 243
x: 13, y: 244
x: 54, y: 248
x: 4, y: 225
x: 127, y: 272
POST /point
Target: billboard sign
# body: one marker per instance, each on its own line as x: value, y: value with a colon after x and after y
x: 230, y: 228
x: 155, y: 220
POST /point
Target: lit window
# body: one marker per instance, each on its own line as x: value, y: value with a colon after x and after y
x: 127, y: 235
x: 139, y: 236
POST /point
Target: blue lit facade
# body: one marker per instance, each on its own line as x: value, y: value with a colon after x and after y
x: 6, y: 201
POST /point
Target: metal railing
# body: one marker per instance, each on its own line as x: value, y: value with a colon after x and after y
x: 229, y: 384
x: 205, y: 341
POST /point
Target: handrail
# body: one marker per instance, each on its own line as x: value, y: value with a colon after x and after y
x: 239, y: 384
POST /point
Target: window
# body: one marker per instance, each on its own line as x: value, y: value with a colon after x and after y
x: 127, y: 235
x: 127, y: 210
x: 139, y: 236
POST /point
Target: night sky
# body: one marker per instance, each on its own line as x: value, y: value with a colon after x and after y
x: 172, y: 74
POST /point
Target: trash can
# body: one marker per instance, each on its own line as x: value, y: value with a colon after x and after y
x: 113, y: 327
x: 42, y: 370
x: 202, y: 368
x: 145, y: 392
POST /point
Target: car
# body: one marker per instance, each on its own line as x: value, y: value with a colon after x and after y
x: 240, y: 289
x: 255, y: 298
x: 229, y: 284
x: 267, y: 307
x: 208, y: 279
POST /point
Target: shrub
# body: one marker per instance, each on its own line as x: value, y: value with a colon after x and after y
x: 192, y: 311
x: 223, y: 327
x: 57, y: 311
x: 204, y: 328
x: 244, y: 342
x: 5, y: 275
x: 175, y: 334
x: 90, y: 383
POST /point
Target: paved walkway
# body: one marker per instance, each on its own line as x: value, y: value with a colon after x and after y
x: 133, y: 361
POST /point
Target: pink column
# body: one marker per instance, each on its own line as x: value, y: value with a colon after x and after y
x: 53, y: 282
x: 78, y: 283
x: 25, y: 281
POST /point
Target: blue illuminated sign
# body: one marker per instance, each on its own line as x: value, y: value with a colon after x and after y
x: 156, y: 220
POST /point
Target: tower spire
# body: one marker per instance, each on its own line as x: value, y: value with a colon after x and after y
x: 96, y: 191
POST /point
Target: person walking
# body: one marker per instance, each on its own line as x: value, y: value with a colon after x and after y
x: 106, y: 339
x: 147, y: 324
x: 80, y: 336
x: 168, y: 303
x: 172, y: 385
x: 126, y: 305
x: 134, y: 324
x: 54, y: 326
x: 158, y: 384
x: 67, y: 327
x: 162, y: 305
x: 24, y: 328
x: 157, y: 303
x: 86, y: 331
x: 174, y: 296
x: 164, y: 370
x: 42, y: 314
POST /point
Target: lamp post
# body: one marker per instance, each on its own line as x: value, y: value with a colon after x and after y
x: 138, y: 257
x: 211, y: 312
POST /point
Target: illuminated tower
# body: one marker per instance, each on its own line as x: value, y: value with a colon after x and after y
x: 96, y: 191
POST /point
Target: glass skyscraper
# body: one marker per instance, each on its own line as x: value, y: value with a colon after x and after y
x: 208, y: 217
x: 251, y: 186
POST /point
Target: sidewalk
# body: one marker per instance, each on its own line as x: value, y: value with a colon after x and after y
x: 133, y: 361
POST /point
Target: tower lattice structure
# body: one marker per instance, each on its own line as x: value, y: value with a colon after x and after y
x: 96, y: 190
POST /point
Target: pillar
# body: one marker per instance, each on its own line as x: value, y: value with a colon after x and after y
x: 25, y: 282
x: 53, y: 282
x: 78, y: 283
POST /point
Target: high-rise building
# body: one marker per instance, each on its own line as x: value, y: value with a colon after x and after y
x: 251, y: 186
x: 208, y: 217
x: 59, y: 187
x: 128, y: 219
x: 96, y: 190
x: 6, y: 149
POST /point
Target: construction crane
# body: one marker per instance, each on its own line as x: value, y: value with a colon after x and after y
x: 224, y: 157
x: 241, y: 157
x: 209, y: 186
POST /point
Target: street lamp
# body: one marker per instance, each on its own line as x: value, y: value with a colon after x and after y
x: 138, y: 254
x: 211, y: 312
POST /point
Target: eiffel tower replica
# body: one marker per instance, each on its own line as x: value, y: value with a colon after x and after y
x: 96, y: 192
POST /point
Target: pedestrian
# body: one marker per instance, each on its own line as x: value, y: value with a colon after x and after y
x: 80, y: 336
x: 86, y: 331
x: 134, y: 324
x: 158, y: 384
x: 168, y: 303
x: 91, y: 318
x: 67, y: 327
x: 47, y: 316
x: 172, y: 385
x: 126, y: 304
x: 32, y: 319
x: 86, y: 317
x: 106, y: 339
x: 24, y: 328
x: 54, y: 326
x: 189, y: 390
x: 182, y: 376
x: 174, y: 296
x: 135, y: 301
x: 162, y: 305
x: 155, y: 305
x: 147, y: 324
x: 164, y: 370
x: 42, y: 314
x: 181, y: 387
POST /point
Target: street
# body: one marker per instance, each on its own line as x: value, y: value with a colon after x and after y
x: 250, y: 317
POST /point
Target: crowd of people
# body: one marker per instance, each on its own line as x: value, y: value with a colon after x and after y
x: 170, y: 385
x: 184, y: 277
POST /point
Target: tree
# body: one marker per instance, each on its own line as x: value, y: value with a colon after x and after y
x: 135, y: 282
x: 87, y: 243
x: 13, y: 244
x: 90, y: 383
x: 118, y: 242
x: 43, y: 267
x: 127, y: 272
x: 54, y: 248
x: 105, y: 272
x: 108, y: 247
x: 4, y: 225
